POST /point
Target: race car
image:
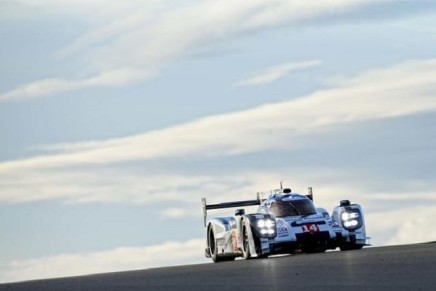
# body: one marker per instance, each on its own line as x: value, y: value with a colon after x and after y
x: 285, y: 222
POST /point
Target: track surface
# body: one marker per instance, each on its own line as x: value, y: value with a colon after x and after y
x: 409, y: 267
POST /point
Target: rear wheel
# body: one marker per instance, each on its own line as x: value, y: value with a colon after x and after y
x: 245, y: 244
x: 212, y: 245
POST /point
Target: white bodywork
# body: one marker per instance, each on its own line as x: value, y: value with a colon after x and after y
x: 314, y: 232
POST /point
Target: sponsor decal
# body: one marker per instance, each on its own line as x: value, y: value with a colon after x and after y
x: 305, y: 219
x: 234, y: 242
x: 282, y: 229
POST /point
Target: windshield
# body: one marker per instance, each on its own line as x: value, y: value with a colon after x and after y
x: 292, y: 208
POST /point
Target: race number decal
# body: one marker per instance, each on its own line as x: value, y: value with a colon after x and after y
x: 312, y: 228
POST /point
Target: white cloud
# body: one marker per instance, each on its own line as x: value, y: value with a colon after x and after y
x: 415, y: 227
x: 282, y: 12
x: 148, y: 35
x: 179, y: 212
x: 406, y: 89
x: 275, y: 73
x: 119, y: 259
x: 55, y: 86
x: 122, y: 185
x: 402, y: 225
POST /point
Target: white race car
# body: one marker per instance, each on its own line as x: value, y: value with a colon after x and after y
x: 285, y: 222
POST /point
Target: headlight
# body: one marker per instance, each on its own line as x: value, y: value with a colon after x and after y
x: 349, y: 215
x: 351, y: 223
x: 351, y: 219
x: 261, y: 223
x: 266, y: 227
x: 266, y: 223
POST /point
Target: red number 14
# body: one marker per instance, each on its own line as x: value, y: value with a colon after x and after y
x: 312, y: 228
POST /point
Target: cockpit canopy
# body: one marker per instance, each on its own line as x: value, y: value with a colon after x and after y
x: 292, y: 208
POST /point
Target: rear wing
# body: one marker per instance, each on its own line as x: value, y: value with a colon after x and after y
x: 207, y: 207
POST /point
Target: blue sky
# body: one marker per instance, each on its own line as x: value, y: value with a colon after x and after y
x: 115, y: 119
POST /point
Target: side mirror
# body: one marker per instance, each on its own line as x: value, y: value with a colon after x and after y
x: 239, y: 212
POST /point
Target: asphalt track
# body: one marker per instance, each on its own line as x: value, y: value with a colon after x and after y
x: 408, y: 267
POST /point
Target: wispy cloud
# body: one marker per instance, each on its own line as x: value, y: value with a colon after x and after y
x: 272, y: 74
x: 401, y: 225
x: 51, y: 87
x: 401, y: 90
x: 180, y: 212
x: 138, y: 36
x: 95, y: 185
x: 119, y: 259
x: 85, y: 173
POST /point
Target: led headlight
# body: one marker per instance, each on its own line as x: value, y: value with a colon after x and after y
x: 351, y: 223
x: 349, y: 215
x: 266, y: 227
x: 351, y: 219
x: 261, y: 223
x: 266, y: 223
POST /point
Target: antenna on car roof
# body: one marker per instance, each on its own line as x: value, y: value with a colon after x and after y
x: 281, y: 184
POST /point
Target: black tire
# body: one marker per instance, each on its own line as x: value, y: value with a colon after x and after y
x: 313, y: 249
x: 245, y: 244
x: 350, y: 247
x: 212, y: 245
